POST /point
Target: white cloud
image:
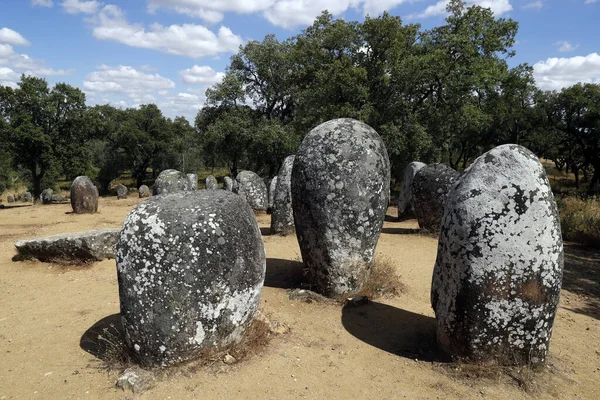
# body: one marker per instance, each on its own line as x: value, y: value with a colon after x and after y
x: 556, y: 73
x: 564, y: 46
x: 42, y: 3
x: 499, y: 7
x: 8, y: 77
x: 188, y: 40
x: 184, y: 104
x: 125, y: 80
x: 535, y: 4
x: 81, y: 7
x: 211, y: 12
x: 591, y: 1
x: 22, y: 63
x: 201, y: 75
x: 8, y: 36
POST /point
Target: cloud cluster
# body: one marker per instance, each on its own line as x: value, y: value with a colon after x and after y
x: 557, y: 73
x: 499, y: 7
x: 42, y: 3
x: 201, y: 75
x: 125, y: 80
x: 81, y: 7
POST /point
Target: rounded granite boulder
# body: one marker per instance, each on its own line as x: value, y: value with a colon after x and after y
x: 228, y: 184
x: 46, y: 196
x: 122, y: 191
x: 211, y: 183
x: 430, y: 188
x: 191, y: 267
x: 26, y: 197
x: 282, y: 214
x: 143, y: 191
x: 405, y: 197
x: 253, y: 189
x: 340, y: 192
x: 171, y: 181
x: 84, y: 196
x: 498, y: 274
x: 10, y: 198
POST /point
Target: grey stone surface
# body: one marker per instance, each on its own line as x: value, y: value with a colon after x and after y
x: 56, y: 198
x: 122, y: 191
x: 84, y: 196
x: 229, y: 184
x: 26, y: 197
x: 144, y: 191
x: 498, y: 274
x: 10, y: 198
x: 282, y: 214
x: 211, y: 183
x: 340, y: 189
x: 405, y: 197
x: 252, y: 188
x: 171, y: 181
x: 78, y: 246
x: 136, y: 379
x: 430, y: 188
x: 272, y: 186
x: 191, y: 268
x: 46, y: 196
x: 193, y: 180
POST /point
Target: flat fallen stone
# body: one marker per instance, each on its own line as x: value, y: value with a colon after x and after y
x: 94, y: 245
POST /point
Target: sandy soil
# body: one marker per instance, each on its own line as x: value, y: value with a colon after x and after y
x: 384, y: 350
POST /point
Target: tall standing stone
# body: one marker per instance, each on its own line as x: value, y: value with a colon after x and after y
x: 228, y: 184
x: 282, y: 213
x: 253, y: 190
x: 191, y: 268
x: 84, y: 196
x: 122, y: 191
x: 430, y: 188
x: 405, y: 197
x: 46, y: 196
x: 498, y: 274
x: 171, y: 181
x: 340, y: 193
x: 211, y: 183
x: 193, y: 180
x: 272, y: 187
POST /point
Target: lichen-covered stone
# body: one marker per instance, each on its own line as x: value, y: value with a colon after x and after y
x: 498, y: 274
x: 10, y: 198
x: 228, y: 184
x: 122, y: 191
x: 171, y: 181
x: 340, y: 193
x: 26, y: 197
x: 211, y: 183
x: 57, y: 198
x: 252, y: 189
x: 430, y: 188
x: 272, y: 187
x: 143, y: 191
x: 84, y: 196
x: 282, y: 214
x: 46, y: 196
x: 191, y: 267
x: 78, y: 246
x: 193, y: 180
x: 405, y: 196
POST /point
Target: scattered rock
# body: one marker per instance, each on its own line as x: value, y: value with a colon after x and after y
x: 498, y: 274
x: 211, y: 183
x: 191, y: 268
x: 10, y: 198
x: 340, y: 189
x: 144, y: 191
x: 252, y: 189
x: 171, y: 181
x: 26, y: 197
x: 193, y: 180
x: 405, y: 197
x: 430, y: 188
x: 308, y: 296
x: 272, y: 186
x: 282, y: 214
x: 122, y: 191
x: 78, y: 246
x: 56, y: 198
x: 46, y: 196
x: 228, y: 359
x: 84, y: 196
x: 136, y: 379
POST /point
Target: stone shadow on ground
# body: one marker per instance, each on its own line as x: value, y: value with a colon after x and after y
x: 284, y: 274
x: 265, y: 231
x: 400, y: 231
x: 394, y: 330
x: 582, y: 277
x: 106, y: 340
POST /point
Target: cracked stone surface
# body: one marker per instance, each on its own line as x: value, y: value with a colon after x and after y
x: 211, y: 183
x: 191, y: 267
x: 94, y: 245
x: 84, y: 196
x: 498, y: 274
x: 172, y: 181
x: 340, y: 193
x: 253, y: 189
x: 405, y: 196
x: 282, y: 213
x: 430, y: 188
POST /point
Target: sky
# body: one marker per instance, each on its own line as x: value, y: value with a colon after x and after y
x: 167, y: 52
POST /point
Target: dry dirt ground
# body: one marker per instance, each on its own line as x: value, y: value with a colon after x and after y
x: 383, y: 350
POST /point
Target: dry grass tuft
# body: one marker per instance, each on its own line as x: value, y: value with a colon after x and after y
x: 580, y: 219
x: 383, y: 281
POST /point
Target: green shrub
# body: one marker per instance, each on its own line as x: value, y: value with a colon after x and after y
x: 580, y: 219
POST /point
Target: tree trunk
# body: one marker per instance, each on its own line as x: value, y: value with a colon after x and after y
x: 576, y: 172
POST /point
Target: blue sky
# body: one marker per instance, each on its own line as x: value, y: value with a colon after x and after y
x: 131, y: 52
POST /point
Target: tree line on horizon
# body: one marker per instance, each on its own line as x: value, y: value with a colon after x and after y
x: 446, y: 94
